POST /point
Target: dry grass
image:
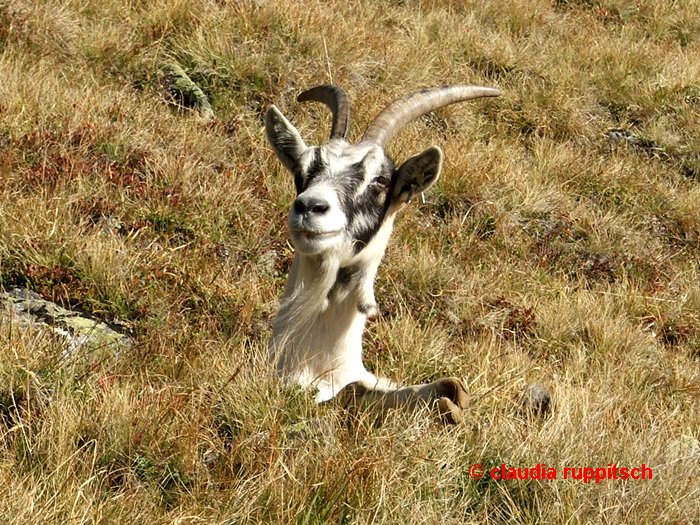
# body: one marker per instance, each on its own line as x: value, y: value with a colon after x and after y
x: 548, y: 253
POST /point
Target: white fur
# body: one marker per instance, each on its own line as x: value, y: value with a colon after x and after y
x: 318, y: 344
x: 317, y: 335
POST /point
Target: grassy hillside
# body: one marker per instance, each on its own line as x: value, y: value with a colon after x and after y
x: 560, y: 248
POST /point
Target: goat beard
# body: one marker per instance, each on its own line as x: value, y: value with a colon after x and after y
x: 305, y: 301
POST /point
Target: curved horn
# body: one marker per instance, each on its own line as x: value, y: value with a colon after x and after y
x: 336, y: 99
x: 402, y: 111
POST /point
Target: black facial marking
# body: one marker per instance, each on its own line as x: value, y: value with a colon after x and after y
x: 366, y: 214
x: 347, y: 183
x: 316, y: 167
x: 355, y: 177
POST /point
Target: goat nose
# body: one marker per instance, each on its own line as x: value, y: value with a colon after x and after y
x: 307, y: 205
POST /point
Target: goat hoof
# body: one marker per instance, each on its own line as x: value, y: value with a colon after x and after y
x: 452, y: 389
x: 352, y: 394
x: 449, y: 412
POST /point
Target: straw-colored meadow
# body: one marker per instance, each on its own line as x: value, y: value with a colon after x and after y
x: 560, y: 248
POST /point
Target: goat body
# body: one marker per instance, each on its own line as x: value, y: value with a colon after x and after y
x: 340, y: 223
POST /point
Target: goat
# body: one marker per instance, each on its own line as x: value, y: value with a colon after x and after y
x: 347, y: 197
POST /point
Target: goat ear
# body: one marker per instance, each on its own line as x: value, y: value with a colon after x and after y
x: 284, y: 138
x: 417, y: 174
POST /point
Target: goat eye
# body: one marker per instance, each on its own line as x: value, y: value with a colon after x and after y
x: 382, y: 182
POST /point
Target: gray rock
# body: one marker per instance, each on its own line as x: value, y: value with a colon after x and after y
x: 267, y: 261
x: 109, y: 224
x: 29, y: 309
x: 536, y: 400
x: 184, y: 91
x: 684, y: 447
x: 641, y: 144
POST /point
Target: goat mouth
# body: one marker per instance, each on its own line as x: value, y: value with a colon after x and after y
x: 308, y: 235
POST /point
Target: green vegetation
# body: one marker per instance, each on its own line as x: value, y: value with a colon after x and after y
x: 560, y: 247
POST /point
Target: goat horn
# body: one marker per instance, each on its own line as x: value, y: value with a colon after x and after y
x: 336, y: 99
x: 402, y: 111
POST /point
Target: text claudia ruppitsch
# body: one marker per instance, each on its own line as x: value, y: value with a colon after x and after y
x: 541, y: 471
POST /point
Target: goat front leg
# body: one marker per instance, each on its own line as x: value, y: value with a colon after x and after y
x: 448, y: 395
x: 366, y: 304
